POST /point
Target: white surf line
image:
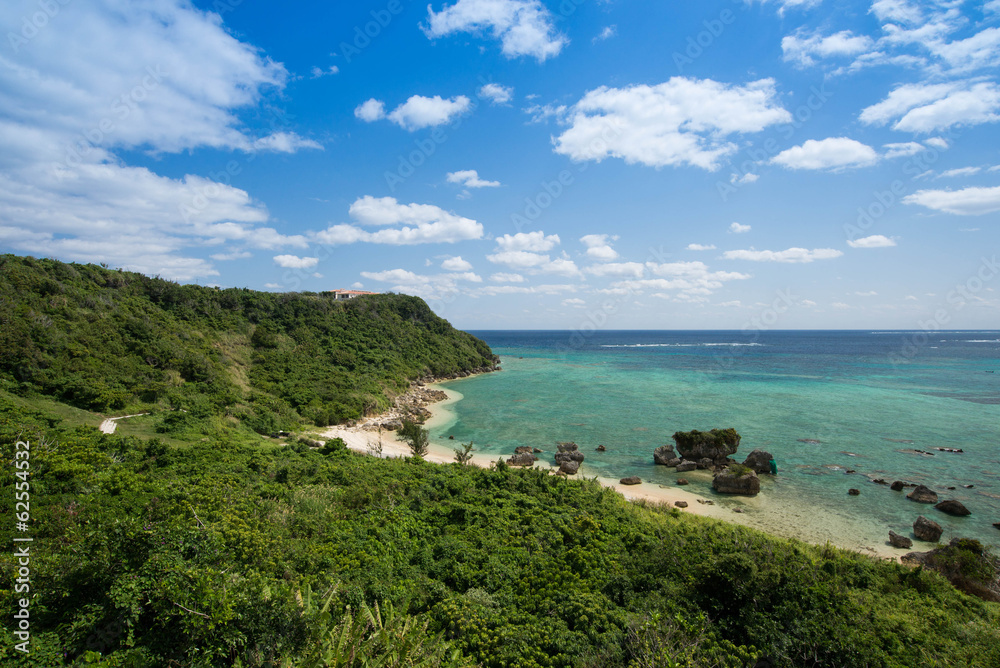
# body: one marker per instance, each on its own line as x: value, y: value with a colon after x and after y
x: 110, y: 424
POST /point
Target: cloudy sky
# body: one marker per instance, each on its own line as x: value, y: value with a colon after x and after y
x: 522, y: 163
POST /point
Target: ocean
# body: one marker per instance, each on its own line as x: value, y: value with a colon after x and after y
x: 821, y: 402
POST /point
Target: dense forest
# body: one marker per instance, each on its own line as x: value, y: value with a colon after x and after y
x: 217, y: 547
x: 118, y: 342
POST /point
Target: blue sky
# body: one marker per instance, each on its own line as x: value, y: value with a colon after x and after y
x: 565, y: 164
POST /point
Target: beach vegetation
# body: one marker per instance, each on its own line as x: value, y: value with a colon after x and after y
x: 463, y: 455
x: 416, y: 437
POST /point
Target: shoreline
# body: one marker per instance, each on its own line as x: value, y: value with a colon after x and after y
x: 757, y: 513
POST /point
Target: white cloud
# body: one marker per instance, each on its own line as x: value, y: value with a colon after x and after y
x: 607, y: 33
x: 428, y: 287
x: 939, y: 143
x: 531, y: 290
x: 294, y: 262
x: 285, y: 142
x: 874, y: 241
x: 681, y: 121
x: 456, y: 264
x: 618, y: 269
x: 318, y: 72
x: 507, y: 278
x: 422, y: 224
x: 421, y: 112
x: 700, y: 247
x: 803, y: 48
x: 496, y: 93
x: 598, y: 246
x: 901, y: 150
x: 536, y: 242
x: 272, y: 286
x: 870, y: 293
x: 784, y: 5
x: 922, y: 108
x: 737, y: 228
x: 541, y: 113
x: 370, y: 111
x: 685, y: 281
x: 743, y: 180
x: 960, y: 171
x: 574, y: 301
x: 470, y: 179
x: 966, y: 202
x: 534, y: 262
x: 835, y: 153
x: 792, y: 255
x: 524, y: 27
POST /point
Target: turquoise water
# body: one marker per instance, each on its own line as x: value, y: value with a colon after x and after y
x: 821, y: 402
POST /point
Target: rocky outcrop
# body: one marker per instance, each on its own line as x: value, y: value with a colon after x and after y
x: 901, y: 542
x: 927, y: 530
x: 759, y: 461
x: 567, y: 446
x: 854, y: 492
x: 897, y: 486
x: 922, y: 494
x: 735, y: 480
x: 601, y: 448
x: 953, y: 507
x: 665, y: 456
x: 706, y: 463
x: 681, y: 504
x: 683, y: 481
x: 965, y: 564
x: 631, y: 480
x: 575, y: 456
x: 523, y: 449
x: 569, y: 467
x: 522, y: 459
x: 684, y: 466
x: 716, y: 445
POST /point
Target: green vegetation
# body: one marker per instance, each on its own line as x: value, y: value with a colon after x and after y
x: 193, y: 541
x: 118, y: 342
x: 716, y: 438
x: 738, y: 470
x: 463, y: 455
x: 416, y: 437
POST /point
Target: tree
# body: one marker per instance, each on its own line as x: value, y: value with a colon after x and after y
x: 416, y: 437
x: 464, y: 455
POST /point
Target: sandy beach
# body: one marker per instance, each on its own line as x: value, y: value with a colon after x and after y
x: 816, y: 526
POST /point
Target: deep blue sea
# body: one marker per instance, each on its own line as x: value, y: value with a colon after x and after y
x: 822, y: 402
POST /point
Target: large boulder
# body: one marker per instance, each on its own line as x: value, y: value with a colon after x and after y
x: 922, y: 494
x: 953, y: 507
x: 686, y: 466
x: 567, y: 446
x: 927, y: 530
x: 569, y: 467
x: 716, y: 445
x: 663, y: 455
x: 899, y: 541
x: 759, y: 461
x: 736, y: 479
x: 574, y: 456
x: 522, y: 459
x: 631, y: 480
x: 706, y: 463
x: 523, y: 449
x: 897, y: 486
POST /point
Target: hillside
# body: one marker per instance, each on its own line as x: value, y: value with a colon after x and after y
x: 118, y: 342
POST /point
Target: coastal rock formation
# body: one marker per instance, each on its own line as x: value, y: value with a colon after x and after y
x: 953, y: 507
x: 522, y: 459
x: 575, y: 456
x: 737, y: 480
x: 522, y: 449
x: 996, y: 525
x: 706, y: 463
x: 665, y: 456
x: 927, y: 530
x: 681, y: 504
x: 686, y: 466
x: 897, y: 486
x: 569, y: 467
x: 965, y: 564
x: 631, y: 480
x: 759, y: 461
x: 601, y: 448
x: 854, y: 492
x: 922, y: 494
x: 716, y: 445
x: 567, y: 446
x: 899, y: 541
x: 683, y: 481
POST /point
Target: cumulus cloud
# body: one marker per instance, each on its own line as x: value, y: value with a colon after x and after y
x: 433, y: 287
x: 536, y: 242
x: 835, y: 153
x: 421, y: 224
x: 294, y: 262
x: 901, y: 150
x: 926, y: 107
x: 470, y: 179
x: 421, y: 112
x: 507, y: 278
x: 370, y: 111
x: 598, y: 246
x: 285, y: 142
x: 965, y: 202
x: 496, y: 93
x: 874, y: 241
x: 456, y: 264
x: 679, y: 281
x: 804, y: 48
x: 700, y: 247
x: 792, y: 255
x: 535, y: 263
x: 737, y: 228
x: 682, y: 121
x: 618, y: 269
x: 524, y: 27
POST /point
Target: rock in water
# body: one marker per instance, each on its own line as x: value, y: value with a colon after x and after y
x: 899, y: 541
x: 686, y: 466
x: 737, y: 481
x: 897, y: 486
x: 683, y: 481
x: 922, y: 494
x: 928, y: 530
x: 631, y: 480
x: 601, y: 448
x: 759, y: 461
x: 569, y: 467
x: 996, y: 525
x: 522, y: 459
x: 854, y: 492
x: 522, y: 449
x: 574, y: 456
x: 716, y: 445
x: 566, y: 446
x: 663, y: 454
x: 953, y: 507
x: 706, y: 463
